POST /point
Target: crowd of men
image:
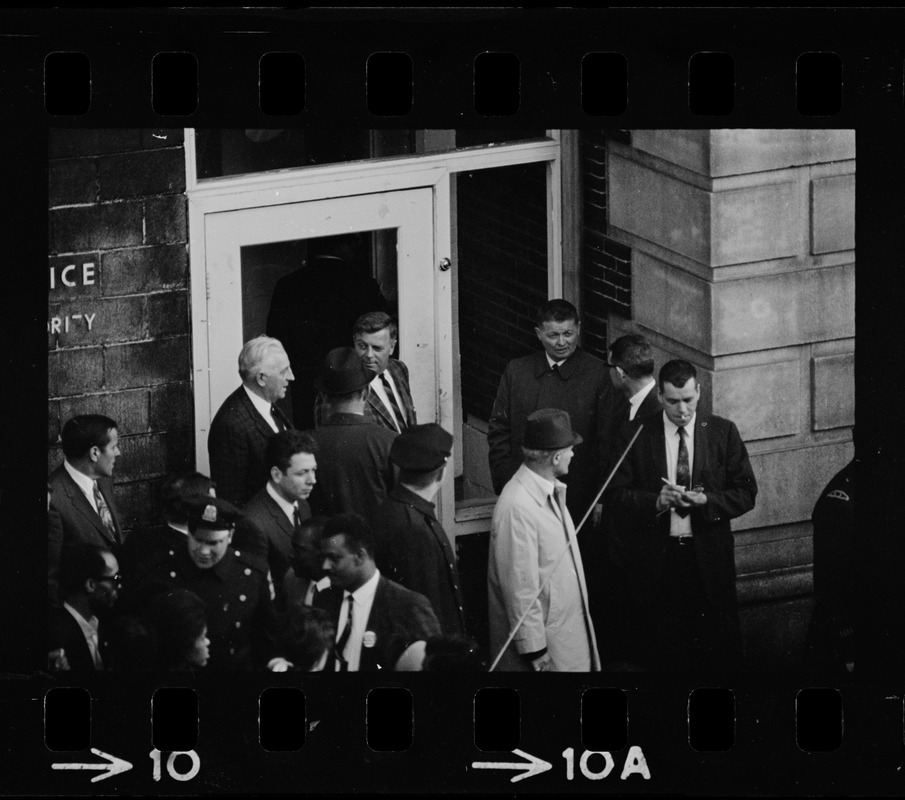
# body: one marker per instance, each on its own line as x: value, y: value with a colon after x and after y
x: 318, y: 546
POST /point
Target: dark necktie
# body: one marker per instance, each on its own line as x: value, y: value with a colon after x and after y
x: 344, y: 639
x: 296, y: 520
x: 683, y: 471
x: 103, y: 511
x: 555, y: 370
x: 391, y: 397
x: 278, y: 417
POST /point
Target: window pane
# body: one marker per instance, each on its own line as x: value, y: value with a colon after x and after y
x: 502, y: 278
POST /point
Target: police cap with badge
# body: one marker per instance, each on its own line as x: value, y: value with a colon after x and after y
x: 422, y: 448
x: 211, y: 513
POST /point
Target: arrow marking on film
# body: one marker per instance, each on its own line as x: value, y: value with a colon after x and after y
x: 535, y: 765
x: 113, y: 766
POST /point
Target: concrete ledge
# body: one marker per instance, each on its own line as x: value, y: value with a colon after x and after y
x: 790, y: 481
x: 730, y: 152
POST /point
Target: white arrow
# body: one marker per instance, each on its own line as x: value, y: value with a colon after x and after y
x: 113, y: 767
x: 535, y: 766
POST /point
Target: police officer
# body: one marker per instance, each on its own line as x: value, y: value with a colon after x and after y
x: 412, y: 547
x: 831, y: 641
x: 233, y: 585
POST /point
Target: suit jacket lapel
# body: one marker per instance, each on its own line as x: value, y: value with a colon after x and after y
x: 379, y: 409
x: 256, y: 419
x: 405, y: 394
x: 80, y: 503
x: 281, y: 519
x: 701, y: 450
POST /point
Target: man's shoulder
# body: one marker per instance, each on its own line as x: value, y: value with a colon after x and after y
x: 398, y: 368
x: 59, y: 476
x: 397, y: 595
x: 234, y: 401
x: 259, y: 503
x: 715, y: 424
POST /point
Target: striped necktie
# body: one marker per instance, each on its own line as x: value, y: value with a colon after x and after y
x: 344, y: 640
x: 103, y: 511
x: 394, y: 406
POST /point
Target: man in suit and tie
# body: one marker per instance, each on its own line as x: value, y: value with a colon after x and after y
x: 81, y: 488
x: 376, y: 619
x: 563, y: 376
x: 274, y: 514
x: 631, y: 366
x: 89, y: 587
x: 684, y: 479
x: 247, y: 419
x: 390, y: 401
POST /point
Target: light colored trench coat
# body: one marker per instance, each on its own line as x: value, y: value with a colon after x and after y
x: 526, y: 541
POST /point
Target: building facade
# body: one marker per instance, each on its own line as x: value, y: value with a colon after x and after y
x: 732, y: 248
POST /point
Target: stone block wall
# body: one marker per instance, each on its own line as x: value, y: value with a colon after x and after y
x: 118, y: 330
x: 743, y: 262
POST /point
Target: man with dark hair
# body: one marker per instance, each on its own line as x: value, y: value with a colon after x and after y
x: 684, y: 479
x: 242, y: 624
x: 143, y: 545
x: 376, y: 619
x: 355, y: 473
x: 412, y: 547
x: 89, y: 586
x: 313, y: 309
x: 275, y: 513
x: 562, y: 376
x: 82, y: 491
x: 632, y: 373
x: 247, y: 419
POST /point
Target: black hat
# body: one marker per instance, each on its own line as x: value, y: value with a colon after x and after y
x: 422, y: 448
x: 549, y: 429
x: 211, y: 513
x: 343, y: 372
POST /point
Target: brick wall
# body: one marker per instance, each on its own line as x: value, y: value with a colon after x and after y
x: 502, y: 274
x: 605, y: 264
x: 118, y: 315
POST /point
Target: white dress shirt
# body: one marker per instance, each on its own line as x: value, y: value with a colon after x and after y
x: 638, y: 398
x: 289, y: 509
x: 361, y: 611
x: 84, y: 483
x: 678, y: 526
x: 263, y: 407
x: 89, y: 631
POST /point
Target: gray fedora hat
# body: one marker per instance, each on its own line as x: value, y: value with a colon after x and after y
x: 549, y: 429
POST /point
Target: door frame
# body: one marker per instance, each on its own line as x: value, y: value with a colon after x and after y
x: 435, y: 171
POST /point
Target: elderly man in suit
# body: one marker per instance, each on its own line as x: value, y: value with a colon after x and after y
x: 684, y: 479
x: 563, y: 376
x: 274, y: 515
x: 376, y: 619
x: 81, y: 488
x: 535, y: 577
x: 355, y: 473
x: 247, y: 419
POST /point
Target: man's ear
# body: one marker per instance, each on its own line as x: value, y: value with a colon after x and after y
x: 275, y: 474
x: 94, y: 452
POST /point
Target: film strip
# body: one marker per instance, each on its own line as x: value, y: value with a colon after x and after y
x: 754, y: 732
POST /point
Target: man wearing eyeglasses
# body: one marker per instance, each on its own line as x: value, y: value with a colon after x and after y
x: 89, y: 588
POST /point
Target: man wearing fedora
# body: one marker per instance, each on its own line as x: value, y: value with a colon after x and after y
x: 354, y: 470
x: 412, y: 547
x: 535, y: 578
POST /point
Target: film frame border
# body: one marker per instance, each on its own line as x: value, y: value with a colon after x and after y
x: 872, y: 105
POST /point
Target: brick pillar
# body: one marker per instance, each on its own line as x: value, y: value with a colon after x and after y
x: 743, y: 263
x: 118, y: 319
